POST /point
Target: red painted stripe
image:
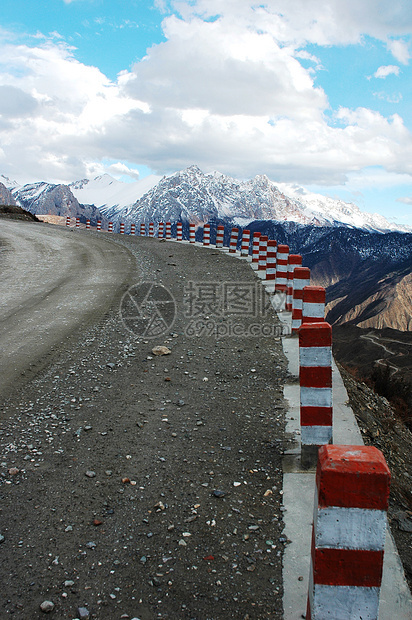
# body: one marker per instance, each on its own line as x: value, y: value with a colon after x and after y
x: 347, y: 567
x: 314, y: 294
x: 315, y: 335
x: 315, y: 376
x: 302, y: 273
x: 352, y: 477
x: 283, y: 249
x: 295, y: 259
x: 316, y: 416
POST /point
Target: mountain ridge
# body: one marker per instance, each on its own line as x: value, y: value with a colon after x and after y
x: 191, y: 195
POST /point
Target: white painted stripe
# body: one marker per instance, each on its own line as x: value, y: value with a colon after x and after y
x: 299, y: 284
x: 315, y: 397
x: 315, y: 356
x: 350, y: 528
x: 344, y: 602
x: 315, y: 435
x: 313, y: 309
x: 296, y: 323
x: 297, y: 303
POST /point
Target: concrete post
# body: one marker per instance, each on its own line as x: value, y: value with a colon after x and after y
x: 271, y: 260
x: 179, y: 231
x: 348, y: 537
x: 301, y: 278
x: 255, y: 248
x: 294, y: 260
x: 314, y: 298
x: 282, y: 268
x: 263, y: 250
x: 315, y: 377
x: 244, y: 249
x: 206, y: 234
x: 219, y: 236
x: 233, y: 240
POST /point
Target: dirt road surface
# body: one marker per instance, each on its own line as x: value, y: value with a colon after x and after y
x: 52, y: 283
x: 135, y: 485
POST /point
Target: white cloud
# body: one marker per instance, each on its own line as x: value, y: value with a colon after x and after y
x: 400, y: 50
x: 406, y: 200
x: 384, y: 71
x: 324, y: 22
x: 227, y: 94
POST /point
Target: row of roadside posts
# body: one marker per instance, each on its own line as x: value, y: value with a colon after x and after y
x: 352, y: 482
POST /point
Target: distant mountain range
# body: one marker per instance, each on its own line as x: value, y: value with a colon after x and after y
x: 191, y: 195
x: 362, y: 260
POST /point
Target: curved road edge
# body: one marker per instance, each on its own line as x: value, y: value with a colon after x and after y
x: 55, y: 282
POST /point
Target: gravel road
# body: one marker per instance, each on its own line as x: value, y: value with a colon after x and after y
x: 136, y: 485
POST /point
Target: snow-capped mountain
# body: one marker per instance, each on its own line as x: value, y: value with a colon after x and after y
x: 191, y: 195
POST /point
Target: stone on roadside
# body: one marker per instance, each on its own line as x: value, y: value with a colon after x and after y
x: 46, y: 607
x: 83, y: 613
x: 90, y: 474
x: 161, y: 350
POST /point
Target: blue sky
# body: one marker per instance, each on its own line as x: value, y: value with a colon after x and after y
x: 309, y: 92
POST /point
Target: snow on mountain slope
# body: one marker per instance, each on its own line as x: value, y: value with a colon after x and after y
x: 105, y: 191
x: 335, y: 210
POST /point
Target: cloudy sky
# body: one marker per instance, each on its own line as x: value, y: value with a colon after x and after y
x: 313, y: 92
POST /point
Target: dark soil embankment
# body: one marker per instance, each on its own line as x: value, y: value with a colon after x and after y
x: 16, y: 213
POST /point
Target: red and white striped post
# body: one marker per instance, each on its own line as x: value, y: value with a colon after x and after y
x: 110, y: 227
x: 348, y: 535
x: 99, y: 225
x: 255, y: 248
x: 161, y: 229
x: 179, y: 231
x: 87, y: 224
x: 219, y: 236
x: 68, y: 220
x: 142, y: 229
x: 315, y: 377
x: 314, y: 299
x: 282, y: 256
x: 132, y: 229
x: 301, y: 278
x: 77, y: 222
x: 244, y: 249
x: 168, y: 230
x: 121, y: 228
x: 263, y: 250
x: 192, y: 232
x: 206, y: 234
x: 233, y: 240
x: 151, y: 229
x: 294, y: 260
x: 271, y: 260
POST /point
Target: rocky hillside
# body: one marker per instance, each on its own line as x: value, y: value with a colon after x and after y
x: 47, y: 199
x: 6, y: 197
x: 381, y: 428
x: 367, y: 275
